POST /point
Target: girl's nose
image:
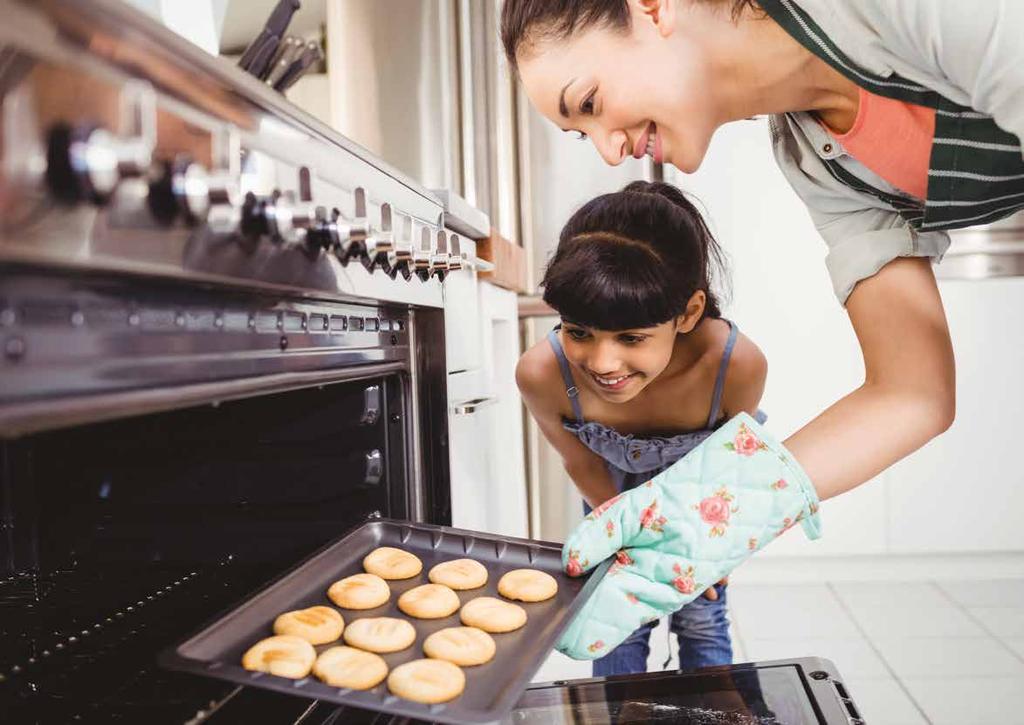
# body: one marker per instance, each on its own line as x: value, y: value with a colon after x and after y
x: 605, y: 360
x: 613, y: 146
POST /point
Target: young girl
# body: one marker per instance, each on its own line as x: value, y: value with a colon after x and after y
x: 640, y: 371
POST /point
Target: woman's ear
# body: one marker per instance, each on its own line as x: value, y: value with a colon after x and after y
x: 693, y: 313
x: 662, y: 13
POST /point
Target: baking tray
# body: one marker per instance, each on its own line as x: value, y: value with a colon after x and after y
x: 491, y: 689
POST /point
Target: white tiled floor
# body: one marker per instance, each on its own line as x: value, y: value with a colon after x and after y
x: 911, y: 652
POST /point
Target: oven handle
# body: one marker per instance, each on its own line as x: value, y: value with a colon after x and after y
x: 468, y: 407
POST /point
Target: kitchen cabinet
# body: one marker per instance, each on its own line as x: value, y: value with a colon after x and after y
x: 488, y: 478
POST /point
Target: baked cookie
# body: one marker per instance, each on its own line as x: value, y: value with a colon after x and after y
x: 380, y: 634
x: 527, y: 585
x: 283, y: 655
x: 359, y: 591
x: 459, y: 574
x: 350, y: 667
x: 316, y: 625
x: 390, y: 563
x: 463, y: 646
x: 428, y: 681
x: 492, y: 614
x: 429, y: 601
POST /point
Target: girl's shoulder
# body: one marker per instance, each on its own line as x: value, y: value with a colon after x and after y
x: 745, y: 376
x: 539, y: 376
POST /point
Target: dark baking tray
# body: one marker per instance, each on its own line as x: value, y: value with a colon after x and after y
x: 491, y: 689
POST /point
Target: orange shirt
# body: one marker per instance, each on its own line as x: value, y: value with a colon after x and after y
x: 893, y: 139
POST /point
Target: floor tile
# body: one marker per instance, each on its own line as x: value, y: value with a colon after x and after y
x: 948, y: 657
x: 970, y: 701
x: 1016, y: 644
x: 895, y: 622
x: 798, y: 611
x: 857, y: 595
x: 1001, y: 621
x: 987, y: 593
x: 884, y: 702
x: 854, y: 658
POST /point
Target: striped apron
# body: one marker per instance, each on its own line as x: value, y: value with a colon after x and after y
x: 976, y: 171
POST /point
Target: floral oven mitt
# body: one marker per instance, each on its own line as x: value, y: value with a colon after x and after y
x: 682, y: 531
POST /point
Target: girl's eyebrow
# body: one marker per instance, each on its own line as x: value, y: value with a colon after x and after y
x: 562, y: 107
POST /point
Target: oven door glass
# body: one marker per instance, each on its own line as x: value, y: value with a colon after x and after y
x: 738, y: 695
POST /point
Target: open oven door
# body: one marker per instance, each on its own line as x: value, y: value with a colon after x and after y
x: 804, y: 691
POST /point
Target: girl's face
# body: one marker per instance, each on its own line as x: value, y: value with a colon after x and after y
x: 618, y: 364
x: 648, y: 91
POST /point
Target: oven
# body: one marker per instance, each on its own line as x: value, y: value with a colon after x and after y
x: 221, y: 348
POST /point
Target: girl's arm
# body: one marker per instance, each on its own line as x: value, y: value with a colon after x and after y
x: 744, y: 379
x: 909, y: 391
x: 540, y: 383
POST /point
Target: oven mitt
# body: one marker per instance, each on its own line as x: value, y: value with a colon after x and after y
x: 682, y: 531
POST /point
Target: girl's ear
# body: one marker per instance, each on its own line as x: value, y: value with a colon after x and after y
x: 662, y: 13
x: 693, y: 312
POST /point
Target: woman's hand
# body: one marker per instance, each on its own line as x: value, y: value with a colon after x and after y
x: 909, y: 391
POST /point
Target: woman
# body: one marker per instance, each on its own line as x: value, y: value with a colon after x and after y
x: 893, y: 121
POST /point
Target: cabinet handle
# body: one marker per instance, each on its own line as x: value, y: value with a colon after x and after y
x: 468, y: 407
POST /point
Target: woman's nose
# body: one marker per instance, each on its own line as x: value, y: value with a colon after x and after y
x: 613, y: 146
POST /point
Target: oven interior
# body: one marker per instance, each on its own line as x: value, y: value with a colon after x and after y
x: 122, y: 537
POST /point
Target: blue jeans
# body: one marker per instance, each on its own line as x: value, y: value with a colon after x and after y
x: 701, y: 627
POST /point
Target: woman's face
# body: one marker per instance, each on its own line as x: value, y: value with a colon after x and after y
x: 647, y: 91
x: 618, y: 364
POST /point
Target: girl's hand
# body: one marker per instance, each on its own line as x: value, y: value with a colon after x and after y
x: 710, y: 593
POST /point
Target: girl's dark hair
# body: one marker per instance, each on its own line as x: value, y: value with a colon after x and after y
x: 633, y: 259
x: 532, y: 20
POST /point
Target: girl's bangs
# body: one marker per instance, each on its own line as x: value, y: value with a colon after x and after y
x: 620, y: 291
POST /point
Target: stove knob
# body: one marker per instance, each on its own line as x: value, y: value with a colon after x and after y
x: 323, y: 233
x: 253, y: 223
x: 456, y: 259
x: 280, y: 215
x: 400, y: 257
x: 422, y: 256
x: 86, y: 162
x: 352, y: 233
x: 381, y: 242
x: 180, y: 187
x: 440, y: 259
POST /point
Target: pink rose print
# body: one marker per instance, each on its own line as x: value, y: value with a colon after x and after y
x: 632, y: 598
x: 649, y: 518
x: 595, y: 646
x: 752, y: 544
x: 780, y: 484
x: 609, y: 527
x: 746, y: 443
x: 715, y: 510
x: 575, y: 566
x: 603, y: 507
x: 622, y: 557
x: 684, y: 580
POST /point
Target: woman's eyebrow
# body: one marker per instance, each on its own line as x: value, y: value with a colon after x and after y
x: 564, y: 109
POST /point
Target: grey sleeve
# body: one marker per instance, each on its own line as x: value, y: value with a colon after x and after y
x: 861, y: 232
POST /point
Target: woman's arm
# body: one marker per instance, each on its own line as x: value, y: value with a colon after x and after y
x: 539, y: 381
x: 909, y: 391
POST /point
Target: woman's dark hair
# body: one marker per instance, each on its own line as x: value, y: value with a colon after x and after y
x: 532, y: 20
x: 633, y: 259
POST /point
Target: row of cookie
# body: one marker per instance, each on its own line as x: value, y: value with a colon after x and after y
x: 433, y: 680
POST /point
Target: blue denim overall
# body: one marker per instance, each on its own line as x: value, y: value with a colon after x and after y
x: 701, y: 627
